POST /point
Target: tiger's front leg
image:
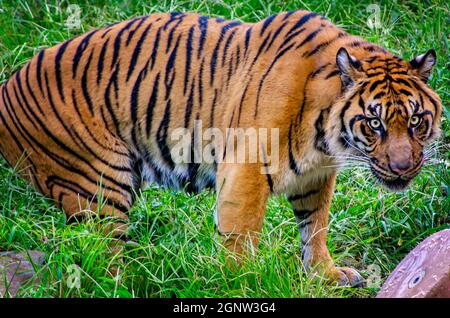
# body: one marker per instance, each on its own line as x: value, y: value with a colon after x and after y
x: 242, y: 196
x: 311, y: 210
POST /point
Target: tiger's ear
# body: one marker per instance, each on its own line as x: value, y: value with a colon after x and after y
x: 423, y: 64
x: 349, y: 68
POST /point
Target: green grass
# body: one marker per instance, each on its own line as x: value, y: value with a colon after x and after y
x: 176, y: 254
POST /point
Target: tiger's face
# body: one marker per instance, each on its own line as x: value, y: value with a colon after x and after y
x: 387, y: 115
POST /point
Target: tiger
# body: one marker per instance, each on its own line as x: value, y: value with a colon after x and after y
x: 90, y: 121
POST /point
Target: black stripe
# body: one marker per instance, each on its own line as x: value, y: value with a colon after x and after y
x: 58, y: 74
x: 213, y: 62
x: 248, y: 34
x: 203, y: 26
x: 373, y: 48
x: 287, y: 40
x: 151, y: 105
x: 226, y: 47
x: 275, y: 35
x: 354, y: 120
x: 324, y: 45
x: 40, y: 58
x: 187, y: 69
x: 133, y: 32
x: 192, y: 168
x: 269, y: 177
x: 134, y: 104
x: 169, y: 76
x: 155, y: 47
x: 161, y: 136
x: 238, y: 56
x: 117, y: 41
x: 230, y: 70
x: 172, y: 33
x: 108, y: 103
x: 332, y: 74
x: 30, y: 90
x: 288, y: 14
x: 213, y: 106
x: 367, y: 135
x: 309, y: 37
x: 174, y: 16
x: 137, y: 51
x: 262, y: 47
x: 189, y: 105
x: 101, y: 59
x: 302, y: 196
x: 200, y: 85
x: 84, y: 85
x: 266, y: 23
x: 320, y: 142
x: 375, y: 84
x: 357, y: 43
x: 108, y: 30
x: 361, y: 103
x: 379, y: 95
x: 318, y: 70
x: 302, y: 225
x: 304, y: 214
x: 302, y: 21
x: 343, y: 141
x: 230, y: 25
x: 403, y: 81
x: 292, y: 163
x: 376, y: 74
x: 79, y: 52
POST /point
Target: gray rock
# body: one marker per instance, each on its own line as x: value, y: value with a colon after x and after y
x: 18, y: 269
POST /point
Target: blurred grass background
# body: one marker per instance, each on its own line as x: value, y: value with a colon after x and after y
x: 176, y: 254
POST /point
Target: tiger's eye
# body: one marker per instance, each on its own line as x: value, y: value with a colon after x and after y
x: 414, y: 120
x: 375, y: 123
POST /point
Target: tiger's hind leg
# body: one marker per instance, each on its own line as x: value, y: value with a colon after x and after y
x: 107, y: 195
x: 311, y: 209
x: 81, y: 201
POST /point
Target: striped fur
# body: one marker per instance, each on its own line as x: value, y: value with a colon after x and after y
x: 97, y: 111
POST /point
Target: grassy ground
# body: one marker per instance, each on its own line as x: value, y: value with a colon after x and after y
x: 176, y: 255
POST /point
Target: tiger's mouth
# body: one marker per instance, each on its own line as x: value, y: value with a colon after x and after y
x: 393, y: 183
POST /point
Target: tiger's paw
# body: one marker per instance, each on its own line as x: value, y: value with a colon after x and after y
x: 346, y: 276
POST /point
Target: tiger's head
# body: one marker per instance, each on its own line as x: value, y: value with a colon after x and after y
x: 386, y: 115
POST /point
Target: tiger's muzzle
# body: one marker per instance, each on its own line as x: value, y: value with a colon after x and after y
x: 396, y: 179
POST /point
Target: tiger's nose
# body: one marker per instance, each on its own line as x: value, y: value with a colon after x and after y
x: 400, y: 167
